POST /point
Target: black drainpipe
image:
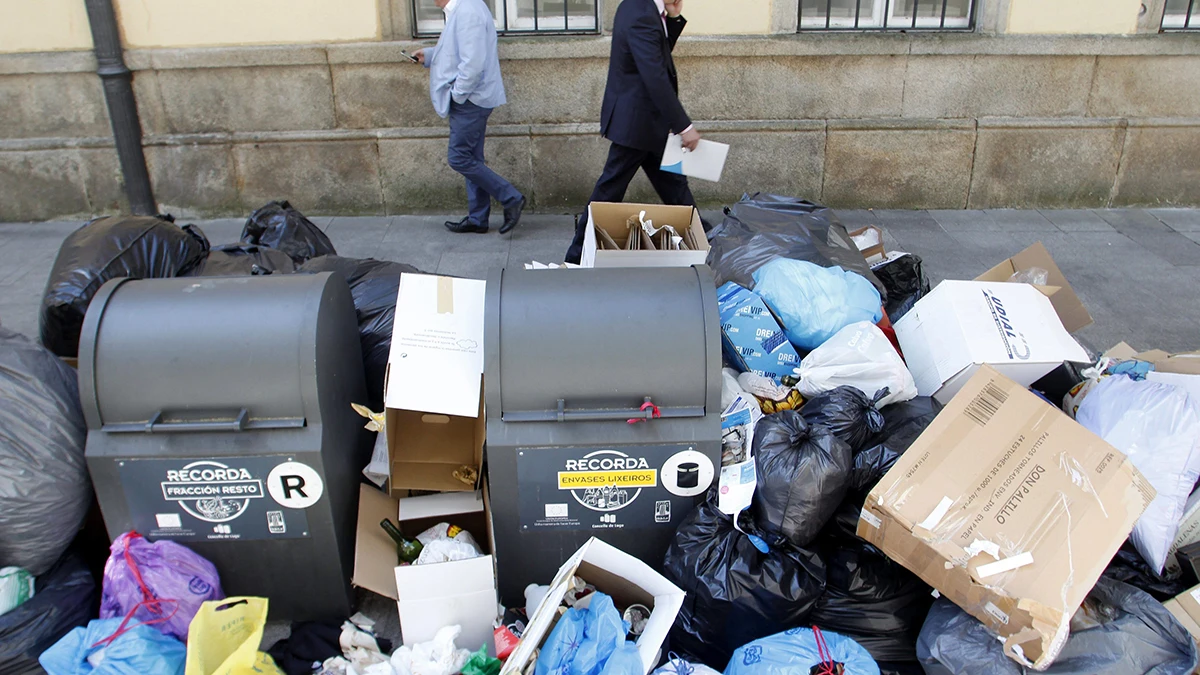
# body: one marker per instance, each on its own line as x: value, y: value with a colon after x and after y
x: 122, y: 106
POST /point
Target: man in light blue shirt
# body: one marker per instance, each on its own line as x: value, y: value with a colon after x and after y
x: 465, y: 85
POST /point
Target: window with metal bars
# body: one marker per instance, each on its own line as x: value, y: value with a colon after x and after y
x: 520, y: 17
x: 1181, y: 15
x: 880, y: 15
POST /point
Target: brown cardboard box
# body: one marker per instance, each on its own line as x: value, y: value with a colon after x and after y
x: 1010, y: 509
x: 1068, y: 305
x: 1186, y: 608
x: 871, y: 253
x: 1187, y: 363
x: 612, y: 218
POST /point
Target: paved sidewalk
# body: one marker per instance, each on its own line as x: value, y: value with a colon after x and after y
x: 1136, y: 270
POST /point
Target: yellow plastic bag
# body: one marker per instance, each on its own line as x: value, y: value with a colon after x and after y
x: 224, y: 638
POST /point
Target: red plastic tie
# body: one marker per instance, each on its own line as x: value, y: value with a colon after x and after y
x: 150, y: 602
x: 827, y: 665
x: 656, y: 414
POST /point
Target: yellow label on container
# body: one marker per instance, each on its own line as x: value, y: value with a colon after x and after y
x: 575, y: 480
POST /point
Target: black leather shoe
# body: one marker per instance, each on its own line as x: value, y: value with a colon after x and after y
x: 512, y: 216
x: 465, y: 226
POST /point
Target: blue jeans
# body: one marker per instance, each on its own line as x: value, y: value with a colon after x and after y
x: 468, y: 126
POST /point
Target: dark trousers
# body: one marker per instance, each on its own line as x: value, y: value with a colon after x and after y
x: 623, y: 163
x: 468, y: 127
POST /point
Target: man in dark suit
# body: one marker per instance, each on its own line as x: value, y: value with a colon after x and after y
x: 641, y: 106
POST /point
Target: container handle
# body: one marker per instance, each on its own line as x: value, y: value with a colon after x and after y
x: 647, y: 411
x: 240, y: 422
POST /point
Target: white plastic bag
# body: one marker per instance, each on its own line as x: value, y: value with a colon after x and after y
x: 439, y: 656
x: 860, y: 356
x: 1157, y: 426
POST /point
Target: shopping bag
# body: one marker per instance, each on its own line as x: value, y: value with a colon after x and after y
x: 224, y: 638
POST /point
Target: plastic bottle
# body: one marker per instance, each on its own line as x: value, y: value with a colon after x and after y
x: 407, y: 550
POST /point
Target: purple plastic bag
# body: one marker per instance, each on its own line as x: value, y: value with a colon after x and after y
x: 162, y: 584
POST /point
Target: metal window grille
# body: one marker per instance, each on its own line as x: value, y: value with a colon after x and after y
x: 520, y: 17
x: 1181, y: 15
x: 887, y: 15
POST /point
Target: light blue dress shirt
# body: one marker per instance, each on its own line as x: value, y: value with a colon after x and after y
x: 464, y: 65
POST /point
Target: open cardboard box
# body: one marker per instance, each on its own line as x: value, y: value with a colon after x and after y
x: 434, y: 389
x: 612, y: 218
x: 620, y: 575
x: 1186, y: 608
x: 429, y: 597
x: 875, y: 252
x: 1067, y: 305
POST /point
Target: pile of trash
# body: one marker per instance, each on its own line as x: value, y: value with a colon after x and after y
x: 800, y: 458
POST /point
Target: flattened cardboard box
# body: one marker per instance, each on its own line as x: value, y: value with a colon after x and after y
x: 1010, y: 509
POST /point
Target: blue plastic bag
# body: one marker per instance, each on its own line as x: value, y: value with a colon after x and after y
x: 796, y: 651
x: 815, y: 302
x: 626, y: 660
x: 140, y: 650
x: 585, y: 640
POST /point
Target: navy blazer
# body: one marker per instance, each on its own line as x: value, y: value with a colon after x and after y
x: 641, y: 100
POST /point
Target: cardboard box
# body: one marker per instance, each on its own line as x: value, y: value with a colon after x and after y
x: 1187, y: 363
x: 962, y: 325
x: 1067, y: 305
x: 428, y: 597
x: 620, y: 575
x: 873, y: 253
x: 435, y: 419
x: 1186, y: 608
x: 751, y: 336
x: 1010, y: 509
x: 1188, y: 533
x: 612, y: 218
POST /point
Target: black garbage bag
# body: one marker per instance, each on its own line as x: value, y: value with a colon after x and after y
x: 63, y: 598
x: 280, y: 226
x: 45, y: 491
x: 374, y: 285
x: 1125, y: 632
x: 850, y: 414
x: 1129, y: 567
x: 762, y: 227
x: 905, y: 281
x: 802, y: 476
x: 872, y: 599
x: 735, y: 593
x: 140, y: 247
x: 235, y: 260
x: 903, y: 423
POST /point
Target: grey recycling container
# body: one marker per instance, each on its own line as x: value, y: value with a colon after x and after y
x: 572, y: 356
x: 218, y: 414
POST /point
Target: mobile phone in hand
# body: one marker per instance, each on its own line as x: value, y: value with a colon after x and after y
x: 408, y: 56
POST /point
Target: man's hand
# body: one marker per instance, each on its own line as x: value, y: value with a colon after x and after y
x: 420, y: 56
x: 674, y: 7
x: 690, y: 138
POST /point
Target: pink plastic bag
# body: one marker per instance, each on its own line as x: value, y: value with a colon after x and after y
x: 161, y: 584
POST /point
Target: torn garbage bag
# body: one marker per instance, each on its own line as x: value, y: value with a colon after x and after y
x: 280, y: 226
x: 1157, y: 426
x: 802, y: 476
x: 45, y: 491
x: 762, y: 227
x: 374, y: 285
x: 1119, y: 630
x: 63, y: 598
x: 802, y: 651
x: 139, y: 247
x: 814, y: 302
x: 163, y: 583
x: 735, y: 592
x: 872, y: 599
x: 235, y: 260
x: 847, y: 412
x: 906, y: 283
x: 861, y: 356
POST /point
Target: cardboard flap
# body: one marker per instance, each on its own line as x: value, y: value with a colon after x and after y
x: 441, y: 505
x: 374, y: 551
x: 436, y: 359
x: 422, y: 583
x: 1067, y: 305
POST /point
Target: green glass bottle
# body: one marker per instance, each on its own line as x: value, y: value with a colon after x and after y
x: 406, y: 549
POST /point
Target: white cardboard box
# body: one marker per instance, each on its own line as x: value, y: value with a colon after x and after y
x: 434, y: 392
x: 429, y: 597
x: 620, y: 575
x: 962, y: 325
x: 612, y: 218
